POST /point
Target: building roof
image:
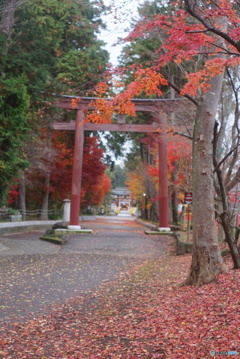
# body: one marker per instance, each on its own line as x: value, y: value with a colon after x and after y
x: 121, y: 191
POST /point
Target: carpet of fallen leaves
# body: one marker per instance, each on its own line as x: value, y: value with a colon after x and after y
x: 144, y: 314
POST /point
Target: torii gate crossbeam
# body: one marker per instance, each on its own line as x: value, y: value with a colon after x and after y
x: 80, y: 126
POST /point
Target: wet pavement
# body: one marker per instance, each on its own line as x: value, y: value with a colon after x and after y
x: 37, y: 275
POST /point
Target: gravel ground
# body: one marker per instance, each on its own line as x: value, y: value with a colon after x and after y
x: 37, y: 275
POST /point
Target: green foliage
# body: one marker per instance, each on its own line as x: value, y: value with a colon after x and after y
x: 54, y: 47
x: 54, y: 44
x: 110, y: 174
x: 141, y: 51
x: 119, y: 174
x: 114, y: 143
x: 76, y: 68
x: 14, y: 104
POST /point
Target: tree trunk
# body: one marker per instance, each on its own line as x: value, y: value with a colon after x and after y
x: 226, y: 223
x: 44, y: 208
x: 206, y: 259
x: 22, y: 195
x: 174, y: 199
x: 225, y: 215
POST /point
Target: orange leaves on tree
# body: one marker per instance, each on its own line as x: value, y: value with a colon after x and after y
x: 64, y: 154
x: 122, y: 103
x: 103, y: 109
x: 181, y: 44
x: 200, y: 80
x: 93, y: 173
x: 233, y: 62
x: 188, y: 37
x: 101, y: 89
x: 154, y: 173
x: 100, y: 189
x: 235, y: 33
x: 75, y: 102
x: 179, y: 160
x: 146, y: 81
x: 144, y: 27
x: 102, y: 113
x: 224, y: 8
x: 135, y: 185
x: 60, y: 168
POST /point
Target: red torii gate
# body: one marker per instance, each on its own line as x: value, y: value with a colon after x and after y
x: 83, y: 104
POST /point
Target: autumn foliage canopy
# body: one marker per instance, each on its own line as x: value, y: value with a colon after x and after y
x: 188, y: 31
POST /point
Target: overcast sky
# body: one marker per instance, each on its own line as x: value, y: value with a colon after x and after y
x: 118, y: 22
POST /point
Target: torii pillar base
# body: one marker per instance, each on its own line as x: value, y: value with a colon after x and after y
x: 164, y: 229
x: 74, y: 228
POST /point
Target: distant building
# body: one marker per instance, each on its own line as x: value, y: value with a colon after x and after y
x: 122, y: 197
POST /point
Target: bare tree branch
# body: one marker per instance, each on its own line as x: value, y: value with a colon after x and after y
x: 183, y: 135
x: 192, y: 99
x: 225, y: 157
x: 190, y: 9
x: 234, y: 181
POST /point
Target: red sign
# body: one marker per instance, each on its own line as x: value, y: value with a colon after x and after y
x: 188, y: 198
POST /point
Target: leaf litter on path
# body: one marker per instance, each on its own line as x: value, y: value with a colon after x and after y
x: 143, y: 314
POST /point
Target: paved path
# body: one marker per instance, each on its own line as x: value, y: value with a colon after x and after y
x: 36, y: 275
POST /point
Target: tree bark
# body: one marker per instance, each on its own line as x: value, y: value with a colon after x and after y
x: 44, y: 208
x: 225, y: 215
x: 48, y: 157
x: 22, y: 194
x: 206, y: 259
x: 226, y: 223
x: 174, y: 199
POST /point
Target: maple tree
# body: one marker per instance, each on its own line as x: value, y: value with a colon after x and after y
x: 57, y: 160
x: 202, y: 46
x: 179, y: 171
x: 93, y: 177
x: 135, y: 184
x: 143, y: 186
x: 100, y: 190
x: 179, y: 175
x: 195, y: 33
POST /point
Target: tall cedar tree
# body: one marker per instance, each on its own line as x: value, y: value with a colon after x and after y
x: 53, y: 45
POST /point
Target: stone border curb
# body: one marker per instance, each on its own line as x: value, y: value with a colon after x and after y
x: 146, y: 224
x: 15, y: 227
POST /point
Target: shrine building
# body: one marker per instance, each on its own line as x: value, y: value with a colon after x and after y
x: 122, y: 197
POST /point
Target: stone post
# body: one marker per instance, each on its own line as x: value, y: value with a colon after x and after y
x: 66, y: 210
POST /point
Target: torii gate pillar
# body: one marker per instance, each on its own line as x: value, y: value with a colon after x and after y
x: 77, y: 172
x: 163, y: 186
x: 85, y: 103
